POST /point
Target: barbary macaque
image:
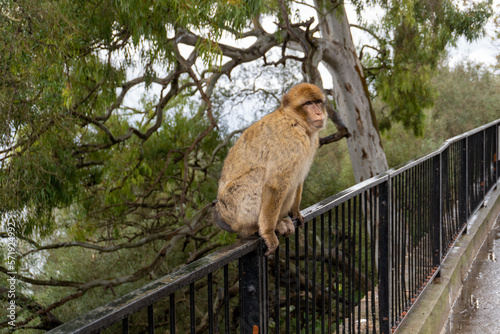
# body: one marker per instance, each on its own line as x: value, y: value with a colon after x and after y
x: 262, y: 176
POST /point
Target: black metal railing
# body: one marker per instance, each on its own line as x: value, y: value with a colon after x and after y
x: 358, y: 265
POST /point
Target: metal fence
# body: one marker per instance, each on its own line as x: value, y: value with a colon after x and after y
x: 358, y: 265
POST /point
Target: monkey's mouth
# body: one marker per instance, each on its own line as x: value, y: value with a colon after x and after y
x: 318, y: 124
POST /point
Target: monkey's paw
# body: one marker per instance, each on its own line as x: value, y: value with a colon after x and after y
x: 300, y: 219
x: 271, y: 243
x: 285, y: 227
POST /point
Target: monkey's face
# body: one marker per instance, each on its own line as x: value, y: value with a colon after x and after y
x: 315, y: 113
x: 309, y: 102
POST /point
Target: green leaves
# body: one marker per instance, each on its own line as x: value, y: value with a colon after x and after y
x: 416, y: 33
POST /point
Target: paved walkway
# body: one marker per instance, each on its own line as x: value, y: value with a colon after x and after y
x: 477, y: 310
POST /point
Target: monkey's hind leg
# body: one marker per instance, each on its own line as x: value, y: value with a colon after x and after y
x: 285, y: 227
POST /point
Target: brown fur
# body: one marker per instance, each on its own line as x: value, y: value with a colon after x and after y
x: 262, y: 177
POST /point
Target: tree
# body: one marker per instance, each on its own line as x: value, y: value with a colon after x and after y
x: 108, y: 130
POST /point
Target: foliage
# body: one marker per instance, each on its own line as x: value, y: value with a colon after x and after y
x: 113, y: 132
x: 92, y: 168
x: 412, y: 39
x: 467, y: 97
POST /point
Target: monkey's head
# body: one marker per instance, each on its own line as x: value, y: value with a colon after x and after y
x: 308, y: 101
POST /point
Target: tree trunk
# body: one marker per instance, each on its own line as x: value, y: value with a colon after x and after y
x: 351, y: 91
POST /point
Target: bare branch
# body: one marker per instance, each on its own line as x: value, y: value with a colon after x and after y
x: 167, y: 235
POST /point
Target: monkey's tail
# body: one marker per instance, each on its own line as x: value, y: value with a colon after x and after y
x: 219, y: 220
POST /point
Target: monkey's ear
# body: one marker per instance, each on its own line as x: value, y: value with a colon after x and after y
x: 285, y: 101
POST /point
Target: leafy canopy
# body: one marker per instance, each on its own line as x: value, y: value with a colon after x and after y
x: 412, y: 39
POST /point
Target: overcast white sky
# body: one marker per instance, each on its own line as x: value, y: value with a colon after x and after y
x: 482, y: 51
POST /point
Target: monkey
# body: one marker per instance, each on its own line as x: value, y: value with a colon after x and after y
x: 263, y: 174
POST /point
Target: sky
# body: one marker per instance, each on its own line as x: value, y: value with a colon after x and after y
x: 483, y: 50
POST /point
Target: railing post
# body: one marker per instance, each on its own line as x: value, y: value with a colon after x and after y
x: 385, y: 256
x: 253, y: 292
x: 437, y: 208
x: 463, y: 197
x: 483, y: 163
x: 497, y: 153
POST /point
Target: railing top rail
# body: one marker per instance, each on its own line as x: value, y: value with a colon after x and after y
x: 323, y: 206
x: 412, y: 163
x: 319, y: 208
x: 473, y: 131
x: 134, y: 301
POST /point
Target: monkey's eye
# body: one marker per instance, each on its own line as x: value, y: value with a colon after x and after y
x: 308, y: 103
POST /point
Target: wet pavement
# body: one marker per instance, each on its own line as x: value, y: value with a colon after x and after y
x: 477, y: 310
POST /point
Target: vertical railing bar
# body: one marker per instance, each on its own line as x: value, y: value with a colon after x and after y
x: 210, y: 304
x: 151, y: 324
x: 458, y: 163
x: 297, y: 281
x: 445, y: 192
x: 407, y: 212
x: 478, y: 168
x: 423, y: 226
x: 470, y: 172
x: 484, y: 166
x: 452, y: 206
x: 418, y: 179
x: 497, y: 150
x: 393, y: 193
x: 367, y: 271
x: 125, y: 327
x: 465, y: 156
x: 427, y: 227
x: 313, y: 316
x: 400, y: 261
x: 287, y: 287
x: 374, y: 239
x: 263, y: 292
x: 452, y: 200
x: 411, y: 250
x: 385, y: 257
x: 421, y: 201
x: 277, y: 289
x: 323, y: 297
x: 350, y: 266
x: 330, y: 271
x: 226, y: 298
x: 422, y: 218
x: 401, y: 251
x: 172, y: 313
x: 344, y: 312
x: 337, y: 245
x: 192, y: 315
x: 439, y: 221
x: 360, y: 252
x: 306, y: 275
x: 402, y: 244
x: 401, y: 254
x: 429, y: 249
x: 404, y: 298
x: 253, y: 291
x: 352, y: 246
